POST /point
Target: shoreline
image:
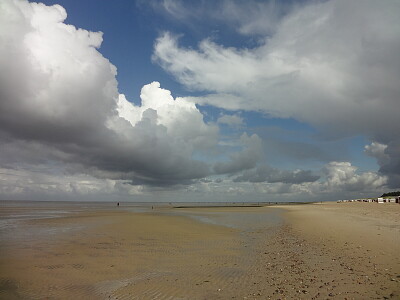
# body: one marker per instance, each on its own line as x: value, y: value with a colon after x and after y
x: 319, y: 251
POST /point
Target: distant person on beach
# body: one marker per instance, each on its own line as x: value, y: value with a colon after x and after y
x: 117, y: 203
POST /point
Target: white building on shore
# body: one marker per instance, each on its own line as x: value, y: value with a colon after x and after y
x: 395, y: 199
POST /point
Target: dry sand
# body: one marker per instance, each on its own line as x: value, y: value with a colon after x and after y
x: 342, y: 251
x: 321, y: 251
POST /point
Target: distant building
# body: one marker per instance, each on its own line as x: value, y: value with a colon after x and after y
x: 377, y: 200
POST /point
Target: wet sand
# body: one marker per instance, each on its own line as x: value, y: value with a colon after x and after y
x: 319, y: 251
x: 120, y: 254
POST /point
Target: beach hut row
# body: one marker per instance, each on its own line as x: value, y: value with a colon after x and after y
x: 388, y: 200
x: 376, y: 200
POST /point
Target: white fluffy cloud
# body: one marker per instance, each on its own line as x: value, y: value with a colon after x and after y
x: 337, y: 180
x: 181, y: 118
x: 342, y: 175
x: 66, y: 130
x: 333, y: 64
x: 53, y: 79
x: 377, y: 151
x: 323, y: 58
x: 59, y: 100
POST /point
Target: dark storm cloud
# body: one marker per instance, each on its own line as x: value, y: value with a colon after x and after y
x: 391, y: 167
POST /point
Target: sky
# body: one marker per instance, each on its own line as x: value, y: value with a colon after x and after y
x: 172, y: 100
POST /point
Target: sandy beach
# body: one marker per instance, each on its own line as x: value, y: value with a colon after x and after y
x: 314, y: 251
x: 342, y: 251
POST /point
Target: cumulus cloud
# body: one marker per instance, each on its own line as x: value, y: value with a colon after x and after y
x: 342, y: 175
x: 388, y: 158
x: 272, y: 175
x: 54, y: 84
x: 66, y: 130
x: 60, y: 103
x: 181, y: 118
x: 332, y: 64
x: 336, y: 180
x: 377, y: 151
x: 53, y: 184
